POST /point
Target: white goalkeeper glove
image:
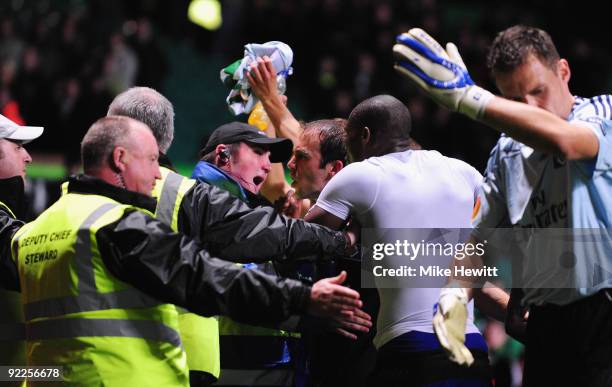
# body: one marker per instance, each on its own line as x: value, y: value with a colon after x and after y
x: 449, y: 324
x: 440, y: 73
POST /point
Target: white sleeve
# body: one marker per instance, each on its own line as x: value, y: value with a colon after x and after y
x: 473, y: 178
x: 602, y: 128
x: 490, y: 210
x: 477, y: 180
x: 352, y: 191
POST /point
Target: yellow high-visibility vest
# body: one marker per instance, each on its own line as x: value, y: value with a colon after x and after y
x: 101, y: 330
x: 200, y: 335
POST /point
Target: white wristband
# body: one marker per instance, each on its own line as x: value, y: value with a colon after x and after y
x: 474, y: 102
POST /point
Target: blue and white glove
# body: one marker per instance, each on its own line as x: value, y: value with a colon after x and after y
x: 440, y: 73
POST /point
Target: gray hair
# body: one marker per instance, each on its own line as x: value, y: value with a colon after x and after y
x: 149, y: 106
x: 102, y: 138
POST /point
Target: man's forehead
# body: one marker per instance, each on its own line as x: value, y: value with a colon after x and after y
x: 309, y: 139
x: 8, y: 141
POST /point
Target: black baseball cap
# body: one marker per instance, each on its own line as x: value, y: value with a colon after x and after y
x: 233, y: 132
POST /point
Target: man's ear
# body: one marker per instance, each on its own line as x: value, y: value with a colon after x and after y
x: 365, y: 135
x: 222, y: 154
x: 119, y: 159
x: 336, y: 166
x: 563, y: 70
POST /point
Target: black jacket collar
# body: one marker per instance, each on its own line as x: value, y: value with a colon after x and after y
x: 255, y: 200
x: 85, y: 184
x: 164, y: 161
x: 13, y: 196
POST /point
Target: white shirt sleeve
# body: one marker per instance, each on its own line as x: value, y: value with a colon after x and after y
x: 602, y: 128
x: 472, y: 177
x: 477, y: 180
x: 490, y: 210
x: 352, y: 191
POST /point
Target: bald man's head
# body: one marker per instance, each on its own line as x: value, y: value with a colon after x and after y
x: 377, y: 126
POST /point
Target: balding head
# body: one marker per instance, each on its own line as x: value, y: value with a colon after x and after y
x: 123, y: 152
x: 147, y: 105
x: 377, y: 126
x: 100, y: 140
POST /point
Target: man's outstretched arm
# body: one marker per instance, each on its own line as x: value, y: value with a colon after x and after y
x: 232, y: 230
x: 443, y: 76
x: 173, y: 268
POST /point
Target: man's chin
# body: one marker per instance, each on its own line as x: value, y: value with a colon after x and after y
x: 296, y: 187
x: 300, y: 194
x: 252, y: 188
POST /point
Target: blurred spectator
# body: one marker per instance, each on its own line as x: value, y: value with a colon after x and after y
x: 12, y: 45
x: 506, y: 355
x: 152, y: 63
x: 364, y: 77
x: 121, y: 66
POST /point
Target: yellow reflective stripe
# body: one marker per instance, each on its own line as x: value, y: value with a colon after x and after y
x: 90, y: 327
x: 83, y: 253
x: 64, y: 188
x: 167, y: 198
x: 5, y: 207
x: 123, y: 299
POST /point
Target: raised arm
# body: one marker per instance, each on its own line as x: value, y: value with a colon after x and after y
x: 442, y: 75
x: 262, y: 79
x: 541, y: 129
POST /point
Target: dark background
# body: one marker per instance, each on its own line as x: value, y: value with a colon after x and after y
x: 63, y: 61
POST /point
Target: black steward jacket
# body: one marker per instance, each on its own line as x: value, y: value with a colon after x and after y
x: 11, y: 198
x: 173, y: 268
x: 231, y: 229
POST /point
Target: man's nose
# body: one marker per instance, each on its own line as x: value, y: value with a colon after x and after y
x: 266, y: 165
x: 26, y: 156
x: 291, y: 163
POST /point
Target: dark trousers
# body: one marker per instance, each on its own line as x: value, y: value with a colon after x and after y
x: 570, y: 345
x: 431, y: 368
